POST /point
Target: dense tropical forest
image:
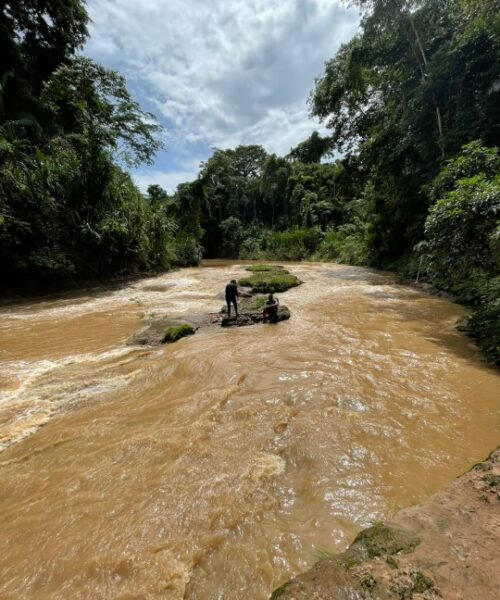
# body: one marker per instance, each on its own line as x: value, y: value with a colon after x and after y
x: 69, y: 130
x: 405, y: 176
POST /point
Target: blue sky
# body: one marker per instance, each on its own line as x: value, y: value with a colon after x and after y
x: 219, y: 73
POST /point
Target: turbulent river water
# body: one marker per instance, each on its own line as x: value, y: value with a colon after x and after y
x: 217, y: 467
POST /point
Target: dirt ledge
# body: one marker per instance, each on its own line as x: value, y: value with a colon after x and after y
x: 446, y: 548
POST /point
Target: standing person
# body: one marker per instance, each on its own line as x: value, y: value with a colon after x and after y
x: 270, y: 308
x: 232, y: 296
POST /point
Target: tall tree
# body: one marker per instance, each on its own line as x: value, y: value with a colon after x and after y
x: 36, y: 37
x: 313, y: 149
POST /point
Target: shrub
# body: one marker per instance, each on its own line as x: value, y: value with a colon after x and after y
x: 460, y: 231
x: 343, y: 248
x: 484, y: 328
x: 292, y: 245
x: 187, y: 251
x: 475, y: 158
x: 461, y: 250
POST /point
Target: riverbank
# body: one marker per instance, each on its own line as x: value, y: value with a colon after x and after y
x: 446, y: 548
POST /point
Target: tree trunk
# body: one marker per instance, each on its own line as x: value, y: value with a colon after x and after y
x: 423, y: 70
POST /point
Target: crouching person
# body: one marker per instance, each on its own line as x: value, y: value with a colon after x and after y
x: 271, y: 309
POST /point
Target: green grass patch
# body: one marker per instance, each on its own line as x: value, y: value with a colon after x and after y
x: 267, y: 279
x: 176, y: 332
x: 263, y: 268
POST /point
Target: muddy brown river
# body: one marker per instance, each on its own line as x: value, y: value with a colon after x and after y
x: 217, y: 467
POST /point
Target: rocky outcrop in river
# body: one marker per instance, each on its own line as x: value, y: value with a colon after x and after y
x: 251, y: 312
x: 264, y: 279
x: 445, y: 548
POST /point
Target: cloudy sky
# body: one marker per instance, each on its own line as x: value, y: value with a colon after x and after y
x: 219, y: 73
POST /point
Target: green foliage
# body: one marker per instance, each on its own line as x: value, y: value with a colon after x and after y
x: 461, y: 232
x: 36, y: 37
x: 94, y: 103
x: 264, y: 280
x: 461, y: 250
x: 474, y: 159
x: 292, y: 245
x: 232, y: 236
x: 406, y: 93
x: 343, y: 248
x: 312, y: 150
x: 246, y: 195
x: 67, y: 209
x: 176, y: 332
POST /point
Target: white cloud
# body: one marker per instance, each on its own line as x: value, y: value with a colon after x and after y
x: 168, y: 181
x: 186, y: 169
x: 222, y: 72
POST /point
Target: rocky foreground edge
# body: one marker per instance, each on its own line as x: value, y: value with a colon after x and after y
x: 447, y: 548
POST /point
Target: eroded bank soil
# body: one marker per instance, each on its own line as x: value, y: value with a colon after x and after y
x: 446, y: 548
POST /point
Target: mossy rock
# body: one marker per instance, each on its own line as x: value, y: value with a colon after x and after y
x: 155, y: 329
x: 251, y: 312
x: 244, y: 319
x: 268, y: 279
x: 382, y: 540
x: 176, y: 332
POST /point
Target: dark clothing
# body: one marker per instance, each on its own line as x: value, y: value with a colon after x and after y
x: 231, y: 295
x: 231, y: 292
x: 271, y: 309
x: 235, y: 304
